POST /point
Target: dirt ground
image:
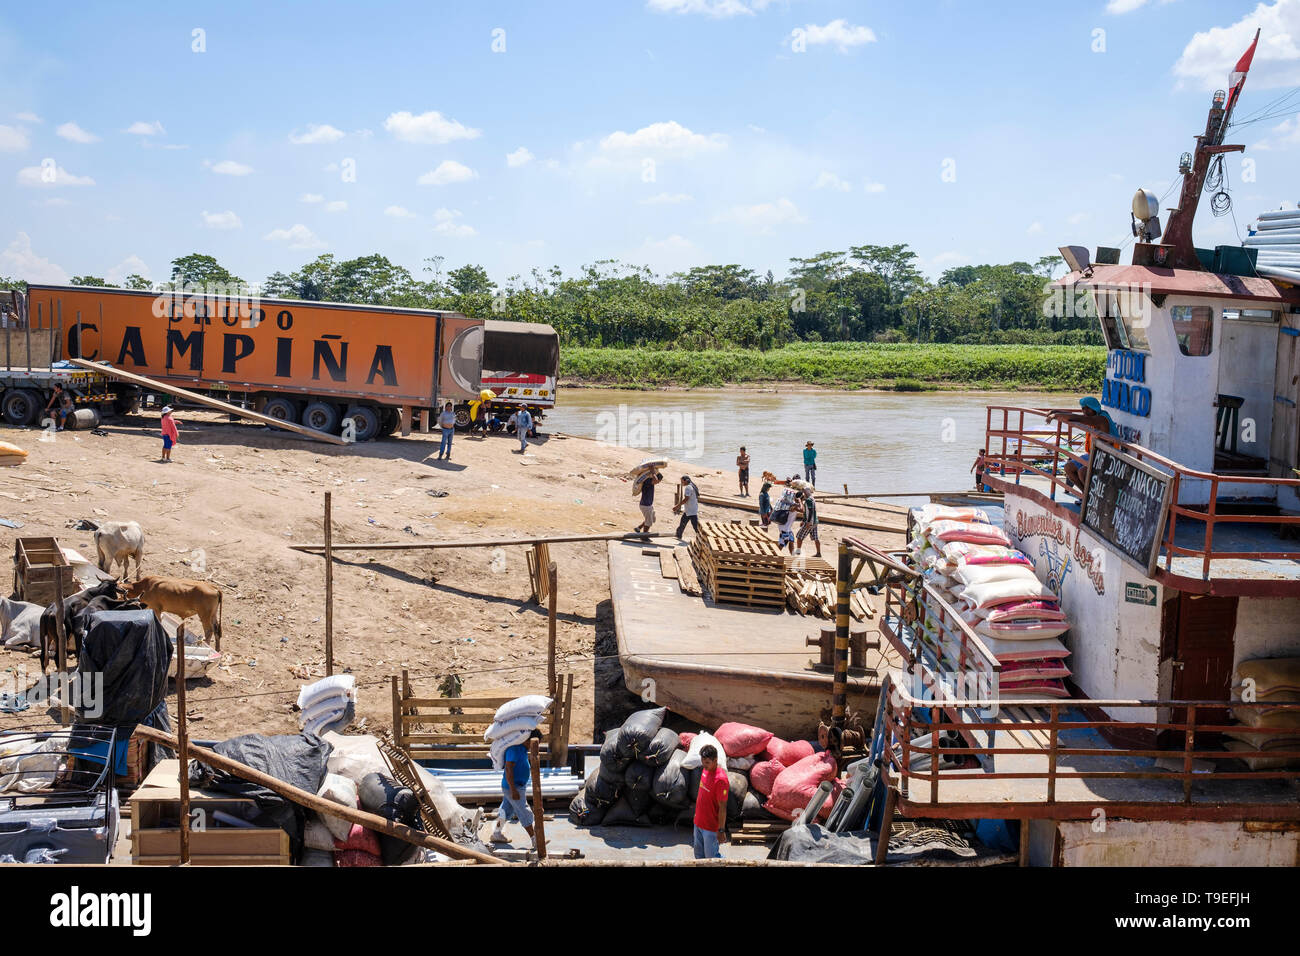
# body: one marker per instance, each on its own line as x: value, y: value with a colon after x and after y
x: 236, y: 495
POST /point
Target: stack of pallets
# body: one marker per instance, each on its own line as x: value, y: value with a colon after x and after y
x: 739, y: 564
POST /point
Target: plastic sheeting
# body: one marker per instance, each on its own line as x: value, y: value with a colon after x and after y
x: 131, y: 651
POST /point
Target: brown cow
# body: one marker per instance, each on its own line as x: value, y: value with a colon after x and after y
x: 182, y: 598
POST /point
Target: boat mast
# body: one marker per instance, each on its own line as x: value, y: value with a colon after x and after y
x: 1178, y: 231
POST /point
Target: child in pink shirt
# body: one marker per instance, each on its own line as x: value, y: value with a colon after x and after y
x: 170, y: 434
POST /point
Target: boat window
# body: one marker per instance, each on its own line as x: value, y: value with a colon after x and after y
x: 1250, y: 315
x: 1194, y: 328
x: 1108, y: 313
x: 1135, y: 314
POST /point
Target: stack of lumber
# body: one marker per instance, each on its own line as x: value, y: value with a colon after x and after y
x: 810, y: 587
x: 739, y: 564
x: 860, y: 604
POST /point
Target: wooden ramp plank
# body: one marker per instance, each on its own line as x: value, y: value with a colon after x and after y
x: 668, y: 565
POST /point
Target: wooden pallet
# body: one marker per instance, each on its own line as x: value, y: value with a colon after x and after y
x: 739, y: 564
x: 759, y: 831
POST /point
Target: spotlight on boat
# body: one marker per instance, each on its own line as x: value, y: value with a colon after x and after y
x: 1146, y: 215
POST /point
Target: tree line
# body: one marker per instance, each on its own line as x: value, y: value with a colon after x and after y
x: 865, y: 293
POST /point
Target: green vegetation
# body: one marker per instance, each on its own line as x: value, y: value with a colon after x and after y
x: 901, y: 367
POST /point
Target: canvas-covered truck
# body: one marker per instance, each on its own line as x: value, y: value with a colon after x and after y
x: 521, y: 361
x: 32, y: 363
x: 316, y: 364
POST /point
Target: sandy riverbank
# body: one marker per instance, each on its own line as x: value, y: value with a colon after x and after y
x: 239, y: 494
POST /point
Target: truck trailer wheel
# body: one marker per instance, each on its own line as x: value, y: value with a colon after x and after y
x: 322, y: 416
x: 281, y: 409
x: 392, y: 420
x: 463, y: 421
x: 21, y: 406
x: 365, y: 419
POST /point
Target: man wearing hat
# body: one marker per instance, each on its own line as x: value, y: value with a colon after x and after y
x: 1092, y: 417
x: 170, y: 434
x: 810, y: 464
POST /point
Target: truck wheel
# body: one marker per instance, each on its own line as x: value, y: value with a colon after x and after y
x: 365, y: 419
x: 392, y: 420
x: 281, y: 409
x: 322, y: 416
x: 21, y: 406
x: 127, y: 403
x: 462, y: 417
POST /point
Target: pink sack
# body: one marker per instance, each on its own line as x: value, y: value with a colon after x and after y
x: 356, y: 858
x: 742, y: 740
x: 795, y: 785
x: 686, y: 740
x: 788, y: 753
x: 822, y: 814
x: 762, y: 776
x: 359, y: 838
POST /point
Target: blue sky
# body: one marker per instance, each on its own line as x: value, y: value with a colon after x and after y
x: 668, y: 133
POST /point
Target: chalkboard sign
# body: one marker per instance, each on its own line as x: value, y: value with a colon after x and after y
x: 1125, y: 502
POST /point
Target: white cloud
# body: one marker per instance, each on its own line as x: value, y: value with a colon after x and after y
x: 520, y: 157
x: 828, y: 180
x: 762, y: 217
x: 399, y: 212
x: 1035, y: 228
x: 448, y: 171
x: 75, y: 134
x: 838, y: 33
x: 13, y: 139
x: 324, y: 133
x: 131, y: 265
x: 228, y: 167
x: 50, y: 174
x: 338, y: 205
x: 445, y: 222
x: 18, y: 260
x: 221, y: 220
x: 873, y: 187
x: 669, y: 137
x: 311, y: 197
x: 666, y: 199
x: 169, y: 145
x: 1124, y: 6
x: 757, y: 129
x: 28, y: 118
x: 718, y: 9
x: 298, y: 236
x: 431, y: 127
x: 1211, y: 54
x: 142, y: 128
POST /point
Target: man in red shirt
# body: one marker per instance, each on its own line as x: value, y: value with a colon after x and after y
x: 711, y: 806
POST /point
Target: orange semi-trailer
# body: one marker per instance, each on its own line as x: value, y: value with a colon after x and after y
x: 313, y: 363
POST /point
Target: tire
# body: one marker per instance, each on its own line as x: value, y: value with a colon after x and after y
x: 21, y: 406
x: 392, y: 420
x: 321, y: 416
x: 127, y: 403
x: 462, y: 417
x: 366, y: 420
x: 281, y: 409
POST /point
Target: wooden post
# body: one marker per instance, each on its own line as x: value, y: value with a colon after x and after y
x: 539, y: 834
x: 1024, y: 843
x: 840, y: 681
x: 550, y: 630
x: 61, y: 646
x: 397, y: 715
x: 406, y: 421
x: 182, y: 744
x: 882, y: 839
x: 329, y: 584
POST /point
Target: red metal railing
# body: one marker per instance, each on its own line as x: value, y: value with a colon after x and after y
x: 902, y: 725
x: 1027, y: 444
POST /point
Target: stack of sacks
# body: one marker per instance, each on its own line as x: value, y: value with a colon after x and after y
x: 513, y: 723
x: 329, y: 704
x: 351, y: 844
x: 1276, y: 680
x: 639, y: 770
x: 794, y: 786
x: 994, y: 588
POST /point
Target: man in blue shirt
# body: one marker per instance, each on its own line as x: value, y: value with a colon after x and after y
x: 523, y: 425
x: 810, y: 464
x: 514, y: 783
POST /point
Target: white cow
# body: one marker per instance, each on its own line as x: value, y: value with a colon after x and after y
x: 20, y: 623
x: 119, y: 541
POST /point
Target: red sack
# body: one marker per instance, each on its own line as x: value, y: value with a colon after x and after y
x: 686, y: 739
x: 359, y: 838
x: 742, y: 740
x: 796, y: 784
x: 787, y: 752
x: 763, y: 775
x: 356, y: 858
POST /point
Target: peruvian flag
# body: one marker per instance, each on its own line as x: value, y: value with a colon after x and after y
x: 1237, y: 79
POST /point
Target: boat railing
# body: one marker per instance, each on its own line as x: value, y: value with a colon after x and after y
x: 912, y: 727
x: 1020, y: 441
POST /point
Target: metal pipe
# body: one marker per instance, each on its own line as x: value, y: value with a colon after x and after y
x: 839, y: 699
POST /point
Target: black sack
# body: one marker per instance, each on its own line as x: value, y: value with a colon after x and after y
x: 670, y: 783
x: 386, y: 798
x: 661, y: 747
x: 611, y: 760
x: 638, y: 781
x: 638, y: 730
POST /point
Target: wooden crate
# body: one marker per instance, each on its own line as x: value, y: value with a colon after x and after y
x: 739, y: 564
x: 458, y: 723
x: 155, y: 827
x: 36, y: 561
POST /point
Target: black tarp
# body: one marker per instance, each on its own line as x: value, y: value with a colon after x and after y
x: 295, y: 759
x: 131, y: 651
x: 531, y: 347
